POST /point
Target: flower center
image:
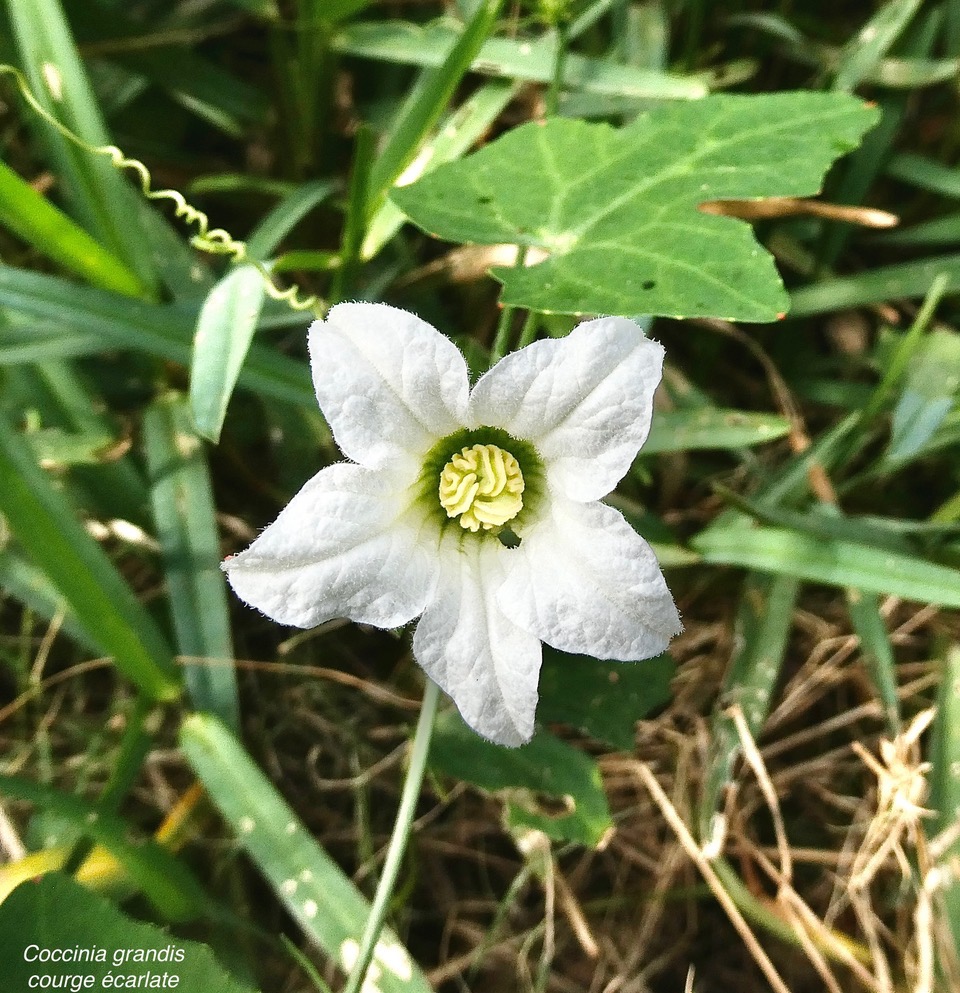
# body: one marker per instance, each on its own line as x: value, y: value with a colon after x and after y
x: 482, y: 485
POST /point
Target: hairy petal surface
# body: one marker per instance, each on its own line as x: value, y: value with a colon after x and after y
x: 347, y: 545
x: 584, y: 581
x: 469, y: 648
x: 584, y: 401
x: 388, y: 383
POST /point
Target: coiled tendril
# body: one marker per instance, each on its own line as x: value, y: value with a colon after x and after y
x: 213, y: 241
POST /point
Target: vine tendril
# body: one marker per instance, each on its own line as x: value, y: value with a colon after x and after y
x: 213, y: 241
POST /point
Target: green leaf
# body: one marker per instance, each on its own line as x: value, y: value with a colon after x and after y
x: 187, y: 530
x: 615, y: 212
x: 711, y: 427
x: 100, y: 197
x: 833, y: 561
x: 428, y: 99
x: 164, y: 880
x: 546, y: 766
x: 57, y: 912
x: 286, y: 215
x: 31, y: 216
x: 104, y: 604
x: 533, y: 61
x: 321, y: 899
x: 764, y: 618
x: 862, y: 53
x: 26, y: 583
x: 877, y: 651
x: 452, y: 139
x: 225, y: 329
x: 931, y: 389
x: 163, y: 331
x: 55, y: 448
x: 604, y: 699
x: 906, y: 279
x: 945, y: 776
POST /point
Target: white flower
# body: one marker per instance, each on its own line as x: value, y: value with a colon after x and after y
x: 423, y: 521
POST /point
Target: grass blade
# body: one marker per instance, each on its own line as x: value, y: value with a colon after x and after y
x: 906, y: 279
x: 427, y: 101
x: 830, y: 560
x: 31, y: 216
x: 872, y: 42
x: 877, y: 653
x: 711, y: 427
x: 99, y: 195
x: 944, y: 778
x: 409, y: 44
x: 163, y: 331
x: 103, y: 603
x: 187, y: 530
x: 228, y: 319
x: 764, y: 619
x: 321, y: 899
x: 454, y: 138
x: 164, y: 880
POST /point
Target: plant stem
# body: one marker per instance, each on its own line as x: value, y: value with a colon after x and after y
x: 556, y: 83
x: 399, y: 837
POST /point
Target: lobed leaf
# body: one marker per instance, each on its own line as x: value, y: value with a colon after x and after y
x: 604, y: 699
x: 613, y: 213
x: 58, y: 913
x: 546, y: 766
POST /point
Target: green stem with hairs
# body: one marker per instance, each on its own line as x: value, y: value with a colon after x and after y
x: 399, y: 837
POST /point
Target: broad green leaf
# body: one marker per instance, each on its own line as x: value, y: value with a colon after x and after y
x: 31, y: 216
x: 225, y: 329
x: 614, y: 216
x: 545, y: 767
x: 163, y: 879
x: 830, y: 560
x: 103, y: 603
x: 57, y: 912
x: 329, y: 909
x: 711, y: 427
x: 605, y: 699
x: 533, y: 61
x: 186, y: 527
x: 931, y: 389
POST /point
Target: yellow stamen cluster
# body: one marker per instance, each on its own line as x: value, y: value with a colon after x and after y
x: 482, y: 485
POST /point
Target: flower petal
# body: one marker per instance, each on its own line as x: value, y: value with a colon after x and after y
x: 345, y: 546
x: 472, y: 651
x: 585, y: 402
x: 584, y: 581
x: 388, y: 383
